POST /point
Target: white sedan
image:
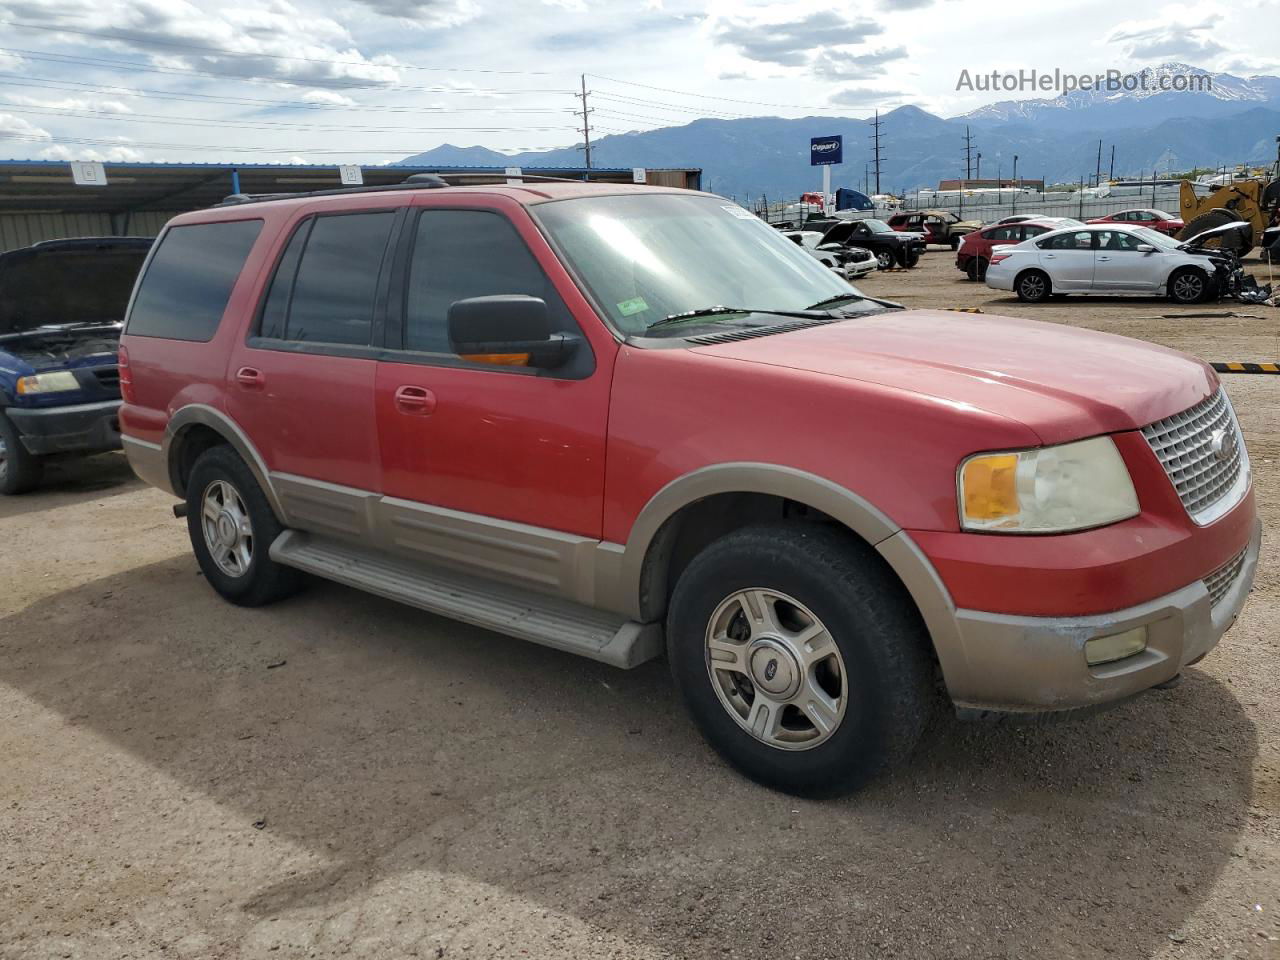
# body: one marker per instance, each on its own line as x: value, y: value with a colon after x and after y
x: 1102, y: 259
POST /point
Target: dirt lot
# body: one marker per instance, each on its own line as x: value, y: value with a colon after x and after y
x: 340, y: 776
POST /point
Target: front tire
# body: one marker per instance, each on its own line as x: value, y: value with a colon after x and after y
x: 1033, y: 286
x: 799, y: 657
x: 1188, y: 285
x: 884, y: 259
x: 19, y: 470
x: 232, y: 527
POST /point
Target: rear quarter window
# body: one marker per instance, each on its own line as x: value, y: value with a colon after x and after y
x: 187, y: 284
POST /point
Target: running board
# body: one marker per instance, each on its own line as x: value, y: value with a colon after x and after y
x: 550, y: 621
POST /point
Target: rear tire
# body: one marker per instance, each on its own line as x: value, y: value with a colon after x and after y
x: 1188, y: 285
x: 1216, y: 217
x: 908, y: 258
x: 977, y: 269
x: 848, y: 701
x: 232, y: 527
x: 1033, y: 286
x: 20, y: 471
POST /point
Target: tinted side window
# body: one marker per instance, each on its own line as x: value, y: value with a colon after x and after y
x: 337, y: 278
x: 188, y: 282
x: 275, y: 311
x: 1033, y: 231
x: 1082, y: 240
x: 458, y: 254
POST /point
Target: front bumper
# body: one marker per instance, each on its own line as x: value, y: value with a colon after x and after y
x: 80, y: 428
x: 1017, y: 664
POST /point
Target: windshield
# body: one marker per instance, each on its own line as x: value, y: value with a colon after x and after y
x: 644, y: 257
x: 1157, y: 239
x: 878, y: 226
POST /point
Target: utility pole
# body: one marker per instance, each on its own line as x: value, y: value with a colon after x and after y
x: 1112, y: 174
x: 968, y: 154
x: 876, y: 155
x: 979, y: 177
x: 1015, y: 169
x: 585, y: 114
x: 1097, y: 176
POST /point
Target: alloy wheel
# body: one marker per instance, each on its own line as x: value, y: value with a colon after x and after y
x: 1033, y: 287
x: 1188, y: 288
x: 776, y: 669
x: 228, y: 532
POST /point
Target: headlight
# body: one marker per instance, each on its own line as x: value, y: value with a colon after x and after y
x: 57, y: 382
x: 1046, y: 490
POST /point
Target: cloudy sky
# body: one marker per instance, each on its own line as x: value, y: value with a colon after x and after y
x: 372, y: 81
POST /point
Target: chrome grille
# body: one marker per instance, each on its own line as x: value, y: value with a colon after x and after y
x: 1184, y: 445
x: 1220, y: 581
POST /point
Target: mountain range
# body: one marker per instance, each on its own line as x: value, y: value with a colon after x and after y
x: 1235, y: 120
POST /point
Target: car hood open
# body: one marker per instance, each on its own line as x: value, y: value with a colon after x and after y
x: 1064, y: 383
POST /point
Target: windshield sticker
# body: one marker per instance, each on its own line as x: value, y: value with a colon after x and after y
x: 633, y: 306
x: 738, y: 212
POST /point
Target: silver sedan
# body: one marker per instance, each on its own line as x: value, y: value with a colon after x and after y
x: 1101, y: 259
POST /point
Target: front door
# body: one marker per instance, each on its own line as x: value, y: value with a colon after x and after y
x: 466, y: 444
x: 1120, y: 267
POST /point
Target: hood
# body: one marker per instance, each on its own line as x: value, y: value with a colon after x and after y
x: 1236, y: 226
x: 1063, y: 383
x: 68, y: 282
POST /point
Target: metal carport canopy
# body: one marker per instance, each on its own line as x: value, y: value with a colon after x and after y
x: 46, y: 186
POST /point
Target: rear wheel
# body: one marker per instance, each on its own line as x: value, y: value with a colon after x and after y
x: 908, y: 258
x: 799, y: 657
x: 977, y: 269
x: 19, y: 470
x: 1188, y: 285
x: 1217, y: 217
x: 1033, y: 286
x: 232, y: 526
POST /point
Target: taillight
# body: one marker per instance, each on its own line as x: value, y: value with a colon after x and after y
x: 997, y: 257
x: 126, y: 377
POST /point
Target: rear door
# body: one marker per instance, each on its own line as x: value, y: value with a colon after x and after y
x: 301, y: 384
x: 1068, y: 259
x: 491, y: 442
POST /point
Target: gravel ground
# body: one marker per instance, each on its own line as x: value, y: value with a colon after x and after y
x: 340, y: 776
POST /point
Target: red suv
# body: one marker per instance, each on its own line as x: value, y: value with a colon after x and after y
x: 974, y: 255
x: 625, y: 420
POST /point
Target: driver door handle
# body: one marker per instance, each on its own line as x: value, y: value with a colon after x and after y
x: 415, y: 400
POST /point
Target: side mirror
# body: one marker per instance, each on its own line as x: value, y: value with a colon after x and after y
x: 1146, y: 248
x: 511, y: 330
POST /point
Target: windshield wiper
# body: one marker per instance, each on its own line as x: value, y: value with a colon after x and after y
x: 836, y: 299
x: 724, y: 311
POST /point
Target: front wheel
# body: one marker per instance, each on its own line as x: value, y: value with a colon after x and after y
x: 19, y: 470
x: 232, y: 526
x: 1188, y: 285
x: 884, y: 259
x: 1033, y: 286
x: 799, y: 657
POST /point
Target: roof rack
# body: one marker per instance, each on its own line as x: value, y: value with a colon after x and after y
x: 416, y: 181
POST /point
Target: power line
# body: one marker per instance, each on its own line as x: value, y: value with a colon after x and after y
x: 120, y: 36
x: 108, y: 63
x: 705, y: 96
x: 82, y: 87
x: 150, y: 144
x: 120, y: 117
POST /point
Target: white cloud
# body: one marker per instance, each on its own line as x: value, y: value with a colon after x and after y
x: 81, y: 104
x: 1191, y: 36
x: 121, y: 154
x: 328, y: 97
x: 791, y: 42
x: 12, y: 127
